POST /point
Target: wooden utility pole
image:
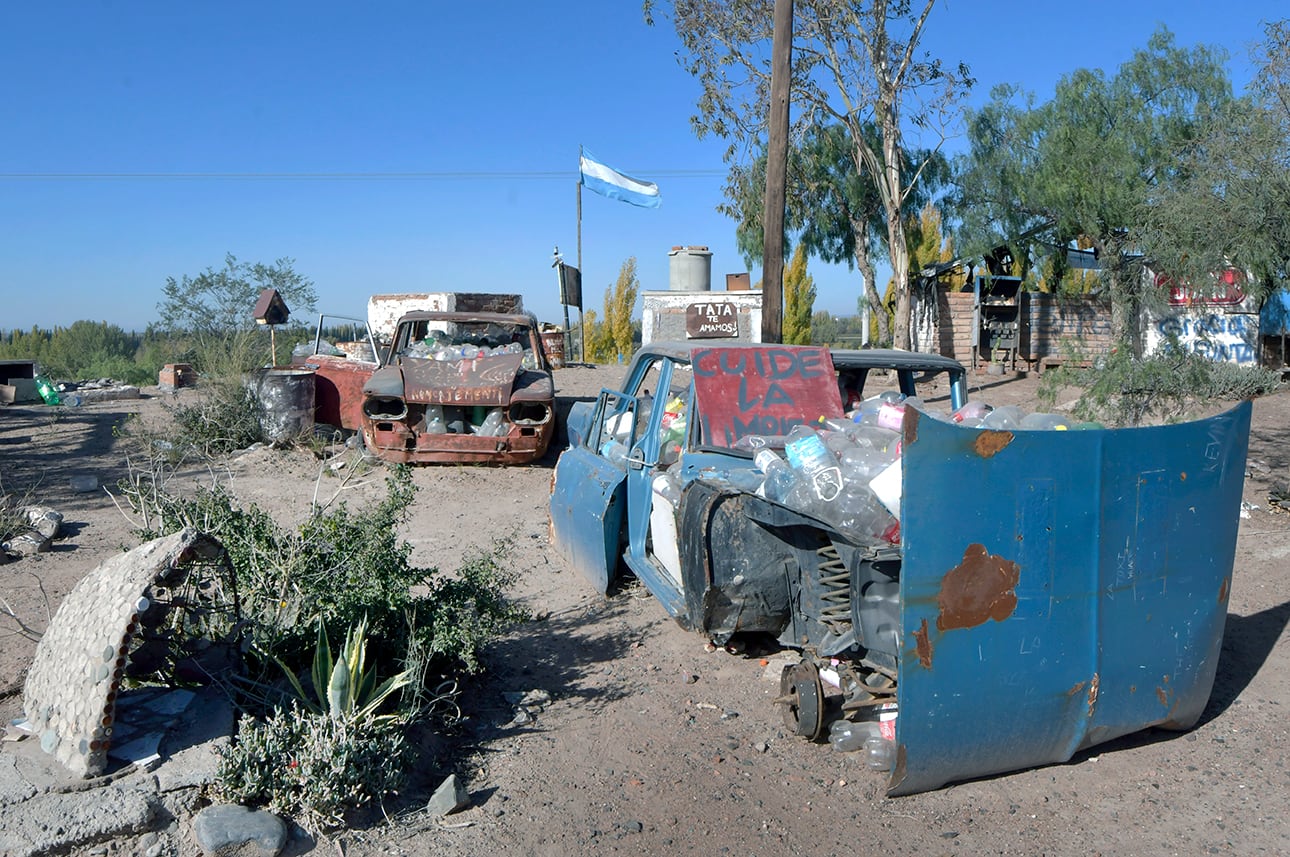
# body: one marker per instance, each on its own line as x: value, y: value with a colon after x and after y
x: 772, y: 264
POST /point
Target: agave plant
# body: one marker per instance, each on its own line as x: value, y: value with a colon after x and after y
x: 345, y: 688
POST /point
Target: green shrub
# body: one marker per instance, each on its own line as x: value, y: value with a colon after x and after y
x: 341, y: 567
x: 224, y: 420
x: 1119, y: 390
x: 314, y: 767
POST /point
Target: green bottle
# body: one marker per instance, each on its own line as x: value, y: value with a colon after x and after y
x: 47, y: 391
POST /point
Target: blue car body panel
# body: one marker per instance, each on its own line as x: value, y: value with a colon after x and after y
x: 1059, y: 589
x: 587, y: 501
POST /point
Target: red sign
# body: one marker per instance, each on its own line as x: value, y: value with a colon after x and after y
x: 762, y: 390
x: 1181, y: 295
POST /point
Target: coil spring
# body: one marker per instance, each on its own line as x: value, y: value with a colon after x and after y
x: 835, y: 586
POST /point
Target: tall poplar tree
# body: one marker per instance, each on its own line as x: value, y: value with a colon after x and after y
x: 799, y: 299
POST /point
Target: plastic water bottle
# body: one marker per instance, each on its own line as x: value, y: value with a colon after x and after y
x: 780, y: 478
x: 861, y: 463
x: 848, y: 735
x: 971, y: 414
x: 615, y: 452
x: 857, y: 511
x: 808, y: 455
x: 1006, y: 418
x: 666, y: 486
x: 837, y: 424
x: 891, y: 416
x: 879, y: 752
x: 434, y: 420
x: 1045, y: 422
x: 867, y: 412
x: 492, y: 424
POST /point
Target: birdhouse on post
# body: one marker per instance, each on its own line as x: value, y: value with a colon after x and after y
x: 270, y: 309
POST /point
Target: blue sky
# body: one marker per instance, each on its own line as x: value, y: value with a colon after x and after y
x: 399, y: 146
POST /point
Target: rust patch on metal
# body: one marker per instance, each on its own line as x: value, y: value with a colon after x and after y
x: 1077, y: 688
x: 912, y: 416
x: 923, y: 645
x: 989, y: 443
x: 1162, y: 695
x: 979, y: 589
x: 1092, y: 693
x: 1224, y: 589
x: 1182, y: 476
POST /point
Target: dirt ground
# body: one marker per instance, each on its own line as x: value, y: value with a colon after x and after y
x: 653, y: 743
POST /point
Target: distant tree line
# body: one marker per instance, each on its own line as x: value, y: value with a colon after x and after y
x: 205, y: 320
x: 88, y: 350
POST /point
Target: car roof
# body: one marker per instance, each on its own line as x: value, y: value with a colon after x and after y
x: 844, y: 358
x: 460, y: 316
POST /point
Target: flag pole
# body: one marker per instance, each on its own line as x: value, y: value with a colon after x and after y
x: 564, y: 301
x: 582, y: 328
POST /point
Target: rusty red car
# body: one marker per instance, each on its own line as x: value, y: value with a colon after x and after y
x: 452, y: 387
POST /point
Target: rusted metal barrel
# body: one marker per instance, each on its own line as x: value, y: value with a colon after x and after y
x: 286, y: 398
x: 553, y: 345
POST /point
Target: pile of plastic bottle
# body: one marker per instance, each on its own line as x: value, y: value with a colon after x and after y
x: 847, y: 471
x: 433, y: 349
x: 875, y: 738
x: 492, y: 425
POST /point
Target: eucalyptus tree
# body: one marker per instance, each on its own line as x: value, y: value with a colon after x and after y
x: 834, y: 209
x: 856, y: 63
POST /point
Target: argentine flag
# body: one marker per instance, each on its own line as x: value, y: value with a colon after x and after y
x: 607, y: 181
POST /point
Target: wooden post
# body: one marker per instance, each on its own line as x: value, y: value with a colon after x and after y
x: 772, y: 280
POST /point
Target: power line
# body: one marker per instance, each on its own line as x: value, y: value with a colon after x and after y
x: 338, y: 176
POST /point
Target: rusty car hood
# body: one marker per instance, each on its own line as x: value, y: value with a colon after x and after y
x: 1059, y: 589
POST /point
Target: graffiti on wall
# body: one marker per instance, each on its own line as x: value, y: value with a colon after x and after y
x: 1220, y: 336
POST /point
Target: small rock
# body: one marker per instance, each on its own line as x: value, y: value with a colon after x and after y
x: 27, y: 544
x: 43, y: 520
x: 448, y: 798
x: 538, y: 699
x: 691, y: 678
x: 228, y: 830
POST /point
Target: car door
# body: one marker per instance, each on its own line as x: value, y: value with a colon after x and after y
x: 588, y: 491
x: 662, y: 381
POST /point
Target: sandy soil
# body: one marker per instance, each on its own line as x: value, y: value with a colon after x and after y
x: 653, y: 743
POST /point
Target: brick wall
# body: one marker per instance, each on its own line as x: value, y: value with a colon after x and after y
x: 954, y: 332
x: 1050, y: 326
